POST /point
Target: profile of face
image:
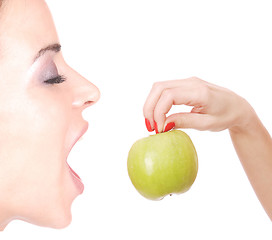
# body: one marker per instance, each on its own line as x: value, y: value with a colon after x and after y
x: 41, y: 104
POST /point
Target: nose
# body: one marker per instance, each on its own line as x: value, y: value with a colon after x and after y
x: 85, y: 93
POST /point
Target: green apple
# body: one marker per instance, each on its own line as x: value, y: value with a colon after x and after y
x: 163, y: 164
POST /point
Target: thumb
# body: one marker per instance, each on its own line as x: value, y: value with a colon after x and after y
x: 196, y: 121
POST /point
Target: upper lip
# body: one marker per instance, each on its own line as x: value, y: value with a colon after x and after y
x: 79, y: 135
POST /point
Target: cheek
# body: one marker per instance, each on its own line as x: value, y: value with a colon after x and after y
x: 33, y: 132
x: 34, y: 145
x: 34, y: 127
x: 44, y: 132
x: 50, y: 181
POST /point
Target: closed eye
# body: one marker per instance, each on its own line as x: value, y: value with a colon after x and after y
x: 56, y: 80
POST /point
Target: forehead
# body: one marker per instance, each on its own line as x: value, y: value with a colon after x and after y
x: 27, y: 24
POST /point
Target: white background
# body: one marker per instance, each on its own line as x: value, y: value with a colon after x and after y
x: 124, y: 46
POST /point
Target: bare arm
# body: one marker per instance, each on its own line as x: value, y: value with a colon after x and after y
x: 253, y: 145
x: 216, y: 109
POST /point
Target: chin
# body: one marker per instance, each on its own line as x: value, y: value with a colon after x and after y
x: 56, y: 218
x: 54, y: 211
x: 60, y: 215
x: 58, y: 221
x: 61, y: 221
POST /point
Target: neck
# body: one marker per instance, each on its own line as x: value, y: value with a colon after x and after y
x: 3, y: 222
x: 5, y: 218
x: 2, y: 227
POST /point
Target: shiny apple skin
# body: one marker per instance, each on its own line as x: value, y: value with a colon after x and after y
x: 163, y: 164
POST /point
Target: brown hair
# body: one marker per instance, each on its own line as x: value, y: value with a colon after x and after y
x: 1, y: 3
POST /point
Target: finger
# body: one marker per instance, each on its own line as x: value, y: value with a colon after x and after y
x: 191, y: 120
x: 187, y: 95
x: 150, y: 103
x: 155, y: 94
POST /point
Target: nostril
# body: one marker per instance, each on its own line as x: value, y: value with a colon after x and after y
x: 88, y: 103
x: 85, y: 96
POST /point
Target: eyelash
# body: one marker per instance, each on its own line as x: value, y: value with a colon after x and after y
x: 56, y: 80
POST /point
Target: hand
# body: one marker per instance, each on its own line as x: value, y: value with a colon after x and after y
x: 214, y: 108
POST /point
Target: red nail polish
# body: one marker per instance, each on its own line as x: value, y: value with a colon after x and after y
x: 148, y: 125
x: 156, y: 127
x: 169, y: 126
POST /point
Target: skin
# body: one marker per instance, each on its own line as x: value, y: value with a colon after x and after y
x: 39, y: 121
x: 216, y: 109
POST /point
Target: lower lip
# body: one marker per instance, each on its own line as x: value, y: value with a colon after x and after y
x: 77, y: 180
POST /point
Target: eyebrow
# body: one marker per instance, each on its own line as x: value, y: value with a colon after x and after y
x: 56, y: 47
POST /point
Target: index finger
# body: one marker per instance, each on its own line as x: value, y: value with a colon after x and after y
x: 155, y: 94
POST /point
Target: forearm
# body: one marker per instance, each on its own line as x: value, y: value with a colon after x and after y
x: 253, y: 145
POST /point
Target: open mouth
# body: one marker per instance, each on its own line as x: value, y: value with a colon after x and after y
x: 77, y: 180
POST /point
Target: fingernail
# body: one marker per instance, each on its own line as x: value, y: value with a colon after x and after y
x: 156, y: 127
x: 169, y: 126
x: 148, y: 125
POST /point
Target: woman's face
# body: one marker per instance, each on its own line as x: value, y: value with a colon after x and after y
x: 41, y: 104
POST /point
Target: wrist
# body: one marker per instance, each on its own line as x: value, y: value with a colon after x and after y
x: 246, y: 121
